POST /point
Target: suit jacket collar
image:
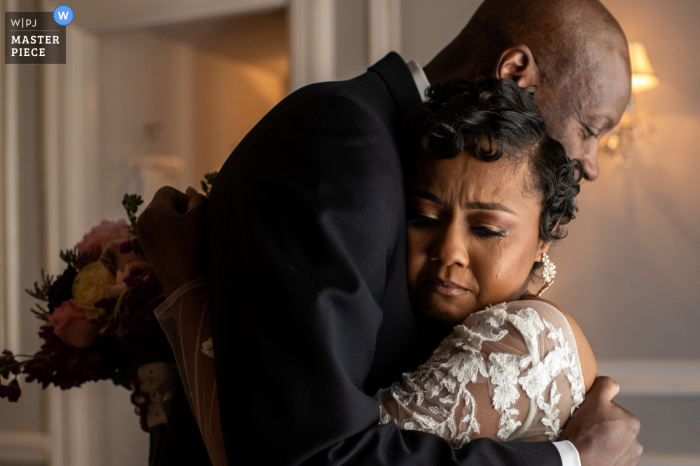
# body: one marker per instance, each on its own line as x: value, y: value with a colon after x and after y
x: 399, y: 80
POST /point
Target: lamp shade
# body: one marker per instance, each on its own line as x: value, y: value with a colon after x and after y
x: 643, y: 76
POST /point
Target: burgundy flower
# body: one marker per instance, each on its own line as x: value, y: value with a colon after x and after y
x: 62, y: 288
x: 130, y: 246
x: 11, y: 391
x: 8, y: 359
x: 66, y: 367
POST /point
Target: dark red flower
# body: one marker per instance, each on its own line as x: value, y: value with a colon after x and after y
x: 62, y: 288
x: 11, y: 391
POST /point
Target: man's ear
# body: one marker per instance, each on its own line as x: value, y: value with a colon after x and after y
x: 517, y: 63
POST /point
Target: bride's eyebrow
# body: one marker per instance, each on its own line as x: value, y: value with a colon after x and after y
x: 426, y: 195
x: 469, y: 205
x: 488, y: 206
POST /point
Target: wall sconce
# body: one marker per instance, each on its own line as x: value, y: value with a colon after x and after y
x: 635, y: 126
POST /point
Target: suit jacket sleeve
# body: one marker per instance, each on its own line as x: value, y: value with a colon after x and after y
x: 301, y: 225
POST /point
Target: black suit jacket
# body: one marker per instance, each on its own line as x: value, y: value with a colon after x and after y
x: 306, y: 263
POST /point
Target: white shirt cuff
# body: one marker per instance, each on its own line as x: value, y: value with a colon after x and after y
x: 568, y: 453
x: 162, y: 312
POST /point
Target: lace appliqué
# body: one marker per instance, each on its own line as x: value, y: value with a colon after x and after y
x: 208, y: 348
x: 435, y: 397
x: 570, y: 362
x: 504, y: 370
x: 541, y: 375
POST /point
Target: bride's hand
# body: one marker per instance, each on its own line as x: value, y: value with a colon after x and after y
x: 170, y: 232
x: 140, y: 401
x: 602, y: 431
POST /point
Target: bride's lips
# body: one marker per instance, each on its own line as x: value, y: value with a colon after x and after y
x: 446, y: 288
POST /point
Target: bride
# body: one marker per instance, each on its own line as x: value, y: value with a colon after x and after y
x: 488, y: 192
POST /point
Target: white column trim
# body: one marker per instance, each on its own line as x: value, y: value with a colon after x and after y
x: 11, y: 287
x: 654, y: 377
x: 383, y: 28
x: 70, y: 179
x: 57, y: 412
x: 312, y: 42
x: 51, y: 167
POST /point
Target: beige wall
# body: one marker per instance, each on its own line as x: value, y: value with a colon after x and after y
x: 205, y: 84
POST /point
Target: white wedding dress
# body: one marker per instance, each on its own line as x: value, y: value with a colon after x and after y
x: 521, y: 356
x: 509, y: 372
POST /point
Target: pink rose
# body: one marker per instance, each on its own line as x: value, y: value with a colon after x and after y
x: 72, y: 326
x: 114, y: 291
x: 94, y: 241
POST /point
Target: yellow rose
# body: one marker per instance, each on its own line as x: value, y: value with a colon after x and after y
x: 88, y: 288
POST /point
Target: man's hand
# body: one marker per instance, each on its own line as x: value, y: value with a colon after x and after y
x: 602, y: 431
x: 171, y: 230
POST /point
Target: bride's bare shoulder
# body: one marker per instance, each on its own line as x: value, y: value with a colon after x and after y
x: 589, y: 367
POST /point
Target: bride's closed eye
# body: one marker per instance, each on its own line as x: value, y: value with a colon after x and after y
x: 423, y: 220
x: 488, y: 232
x: 430, y: 220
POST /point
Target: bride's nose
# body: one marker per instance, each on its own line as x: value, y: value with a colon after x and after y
x: 450, y: 246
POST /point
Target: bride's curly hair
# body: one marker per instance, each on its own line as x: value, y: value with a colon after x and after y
x: 496, y: 119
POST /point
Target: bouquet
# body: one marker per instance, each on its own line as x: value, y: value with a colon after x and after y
x: 98, y: 323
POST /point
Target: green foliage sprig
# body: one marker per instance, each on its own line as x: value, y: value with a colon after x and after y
x: 208, y: 182
x: 41, y: 292
x: 131, y: 203
x: 75, y: 259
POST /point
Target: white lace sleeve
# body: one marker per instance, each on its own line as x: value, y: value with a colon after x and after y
x: 184, y: 317
x: 508, y: 372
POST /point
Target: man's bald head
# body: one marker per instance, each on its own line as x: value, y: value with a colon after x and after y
x: 574, y: 51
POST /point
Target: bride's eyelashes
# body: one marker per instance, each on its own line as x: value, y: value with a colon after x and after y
x: 422, y: 220
x: 486, y: 232
x: 430, y: 220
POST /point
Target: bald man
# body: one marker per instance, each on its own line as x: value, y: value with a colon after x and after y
x: 305, y: 240
x: 573, y: 50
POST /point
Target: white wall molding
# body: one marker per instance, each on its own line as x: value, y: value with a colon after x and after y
x: 312, y: 39
x: 654, y: 377
x: 10, y: 285
x: 669, y: 460
x: 4, y: 111
x: 70, y: 179
x: 23, y: 447
x: 383, y: 28
x: 170, y: 14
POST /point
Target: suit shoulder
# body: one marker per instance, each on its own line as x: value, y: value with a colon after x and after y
x: 365, y: 94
